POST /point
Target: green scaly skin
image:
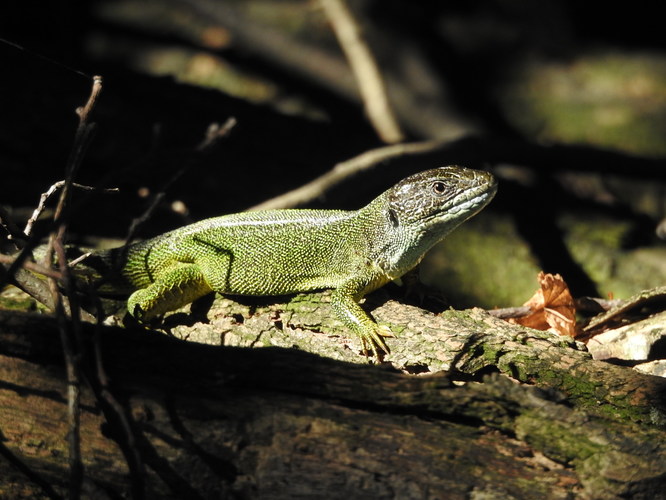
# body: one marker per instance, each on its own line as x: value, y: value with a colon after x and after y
x: 279, y: 252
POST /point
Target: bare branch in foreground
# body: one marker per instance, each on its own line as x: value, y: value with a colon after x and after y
x: 33, y: 266
x: 46, y: 195
x: 70, y: 330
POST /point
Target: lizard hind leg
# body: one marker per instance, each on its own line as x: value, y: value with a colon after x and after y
x: 174, y: 287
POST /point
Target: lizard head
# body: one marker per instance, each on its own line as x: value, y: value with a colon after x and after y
x: 430, y: 204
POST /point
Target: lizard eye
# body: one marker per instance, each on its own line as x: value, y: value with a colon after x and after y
x: 439, y: 188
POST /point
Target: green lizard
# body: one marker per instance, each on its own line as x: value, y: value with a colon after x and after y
x: 279, y: 252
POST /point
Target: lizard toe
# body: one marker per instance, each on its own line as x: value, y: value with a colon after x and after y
x: 373, y: 341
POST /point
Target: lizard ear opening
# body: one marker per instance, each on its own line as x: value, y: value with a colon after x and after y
x: 393, y: 217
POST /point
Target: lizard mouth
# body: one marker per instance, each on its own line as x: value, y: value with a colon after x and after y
x: 465, y: 205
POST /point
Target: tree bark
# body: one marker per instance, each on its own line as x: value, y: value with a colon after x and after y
x: 208, y: 421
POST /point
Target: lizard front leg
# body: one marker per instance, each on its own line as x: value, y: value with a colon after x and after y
x: 344, y: 301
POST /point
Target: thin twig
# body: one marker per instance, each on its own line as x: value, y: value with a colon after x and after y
x: 342, y: 171
x: 72, y: 263
x: 214, y: 133
x: 115, y: 413
x: 33, y: 266
x: 32, y: 285
x: 368, y: 77
x: 510, y: 312
x: 49, y: 192
x: 69, y: 337
x: 81, y: 141
x: 69, y: 330
x: 40, y: 206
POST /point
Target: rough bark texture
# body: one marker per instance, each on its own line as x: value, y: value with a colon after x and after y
x: 469, y: 342
x: 220, y: 422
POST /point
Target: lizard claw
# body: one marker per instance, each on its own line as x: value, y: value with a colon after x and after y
x: 373, y: 341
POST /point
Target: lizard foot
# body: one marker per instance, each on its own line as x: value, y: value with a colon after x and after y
x: 373, y: 341
x: 135, y: 308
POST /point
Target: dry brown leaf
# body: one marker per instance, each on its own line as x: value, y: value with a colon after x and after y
x: 552, y: 307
